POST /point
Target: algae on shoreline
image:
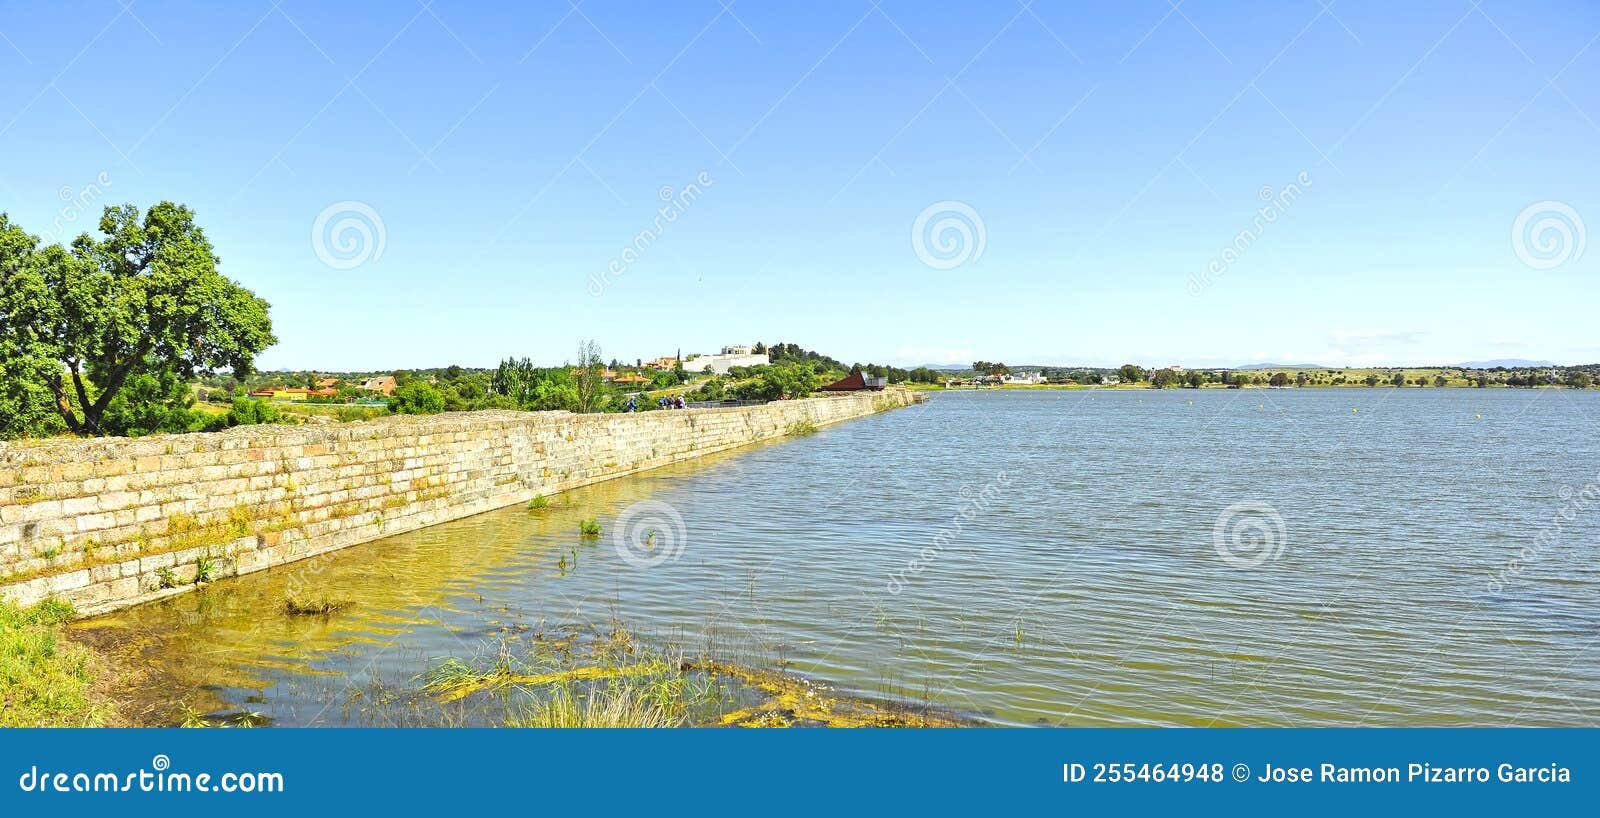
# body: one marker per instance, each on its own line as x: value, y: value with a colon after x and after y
x: 595, y: 678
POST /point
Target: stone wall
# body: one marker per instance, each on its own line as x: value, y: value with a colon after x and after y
x: 108, y: 522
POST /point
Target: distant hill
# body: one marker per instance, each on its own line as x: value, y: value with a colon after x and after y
x: 1508, y: 363
x: 1283, y: 366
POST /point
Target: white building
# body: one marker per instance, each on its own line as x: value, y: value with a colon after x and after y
x: 730, y: 357
x: 1024, y: 378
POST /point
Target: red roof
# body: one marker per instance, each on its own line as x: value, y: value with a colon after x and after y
x: 851, y: 383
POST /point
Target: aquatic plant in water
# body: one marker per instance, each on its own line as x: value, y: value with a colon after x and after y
x: 308, y: 606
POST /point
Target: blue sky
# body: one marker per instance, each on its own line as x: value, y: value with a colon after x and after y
x: 1082, y: 168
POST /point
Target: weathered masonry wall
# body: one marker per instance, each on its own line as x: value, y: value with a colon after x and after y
x: 107, y: 523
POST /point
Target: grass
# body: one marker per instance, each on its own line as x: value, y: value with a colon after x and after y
x: 593, y: 678
x: 589, y: 527
x: 44, y: 679
x: 603, y: 676
x: 205, y: 568
x: 801, y: 428
x: 538, y: 503
x: 319, y: 606
x: 353, y: 414
x: 622, y: 706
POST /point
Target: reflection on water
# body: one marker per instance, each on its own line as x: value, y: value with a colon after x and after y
x: 1030, y: 558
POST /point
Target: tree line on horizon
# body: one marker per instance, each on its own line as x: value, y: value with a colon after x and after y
x: 119, y: 333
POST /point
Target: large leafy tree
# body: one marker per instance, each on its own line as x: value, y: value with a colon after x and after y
x: 26, y: 407
x: 143, y: 302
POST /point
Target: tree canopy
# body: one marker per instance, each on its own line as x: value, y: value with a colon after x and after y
x: 144, y: 302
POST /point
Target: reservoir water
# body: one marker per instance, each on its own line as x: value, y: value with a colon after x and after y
x: 1300, y: 557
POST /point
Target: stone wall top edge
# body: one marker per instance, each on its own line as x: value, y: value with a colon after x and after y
x: 62, y: 449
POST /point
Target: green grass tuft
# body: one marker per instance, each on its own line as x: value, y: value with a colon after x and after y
x: 44, y: 679
x: 614, y: 707
x: 801, y: 428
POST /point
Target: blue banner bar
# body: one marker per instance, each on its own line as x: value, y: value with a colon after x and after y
x: 270, y: 772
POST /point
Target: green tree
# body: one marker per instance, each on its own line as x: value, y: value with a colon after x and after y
x: 785, y: 380
x: 149, y: 404
x: 587, y: 377
x: 533, y: 388
x: 1279, y: 379
x: 1578, y: 380
x: 1129, y: 373
x: 713, y: 389
x: 1196, y: 378
x: 416, y: 398
x: 1163, y: 378
x: 1399, y: 379
x: 144, y: 299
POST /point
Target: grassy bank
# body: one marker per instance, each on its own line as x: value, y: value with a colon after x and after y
x: 44, y: 678
x: 604, y: 677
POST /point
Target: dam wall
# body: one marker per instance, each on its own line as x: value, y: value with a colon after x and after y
x: 105, y: 523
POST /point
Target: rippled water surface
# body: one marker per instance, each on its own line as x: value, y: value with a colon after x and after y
x: 1045, y: 557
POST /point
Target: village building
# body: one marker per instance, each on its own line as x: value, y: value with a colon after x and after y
x: 382, y: 384
x: 1024, y: 379
x: 727, y: 359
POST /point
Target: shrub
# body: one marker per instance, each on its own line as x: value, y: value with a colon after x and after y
x: 250, y: 411
x: 417, y: 398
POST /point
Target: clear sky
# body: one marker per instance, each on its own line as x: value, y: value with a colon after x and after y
x: 1100, y: 157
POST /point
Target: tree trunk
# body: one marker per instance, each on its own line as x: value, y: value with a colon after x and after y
x: 64, y: 406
